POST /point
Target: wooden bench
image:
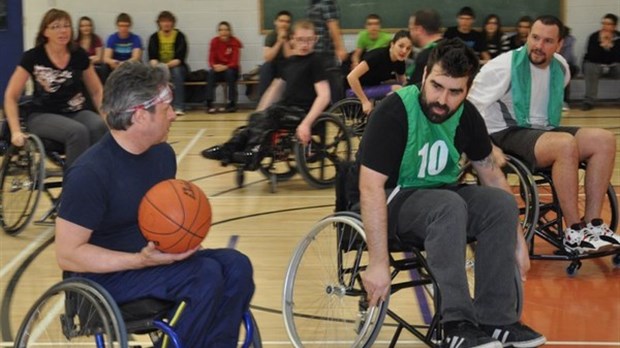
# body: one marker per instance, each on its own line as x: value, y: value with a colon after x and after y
x: 608, y: 89
x: 195, y: 91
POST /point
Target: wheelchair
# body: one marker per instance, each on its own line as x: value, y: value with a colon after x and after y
x: 25, y: 175
x: 282, y: 156
x: 545, y: 219
x: 80, y: 312
x: 350, y: 111
x: 324, y: 300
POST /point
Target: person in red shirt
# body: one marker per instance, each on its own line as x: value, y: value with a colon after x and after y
x: 224, y: 56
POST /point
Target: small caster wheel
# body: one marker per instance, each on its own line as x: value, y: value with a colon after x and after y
x: 572, y: 269
x: 240, y: 177
x: 616, y: 260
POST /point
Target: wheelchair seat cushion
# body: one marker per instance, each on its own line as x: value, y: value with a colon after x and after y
x: 146, y: 308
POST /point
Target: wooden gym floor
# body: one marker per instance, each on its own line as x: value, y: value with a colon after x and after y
x: 582, y: 311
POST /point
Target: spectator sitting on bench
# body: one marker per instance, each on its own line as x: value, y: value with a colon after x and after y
x: 169, y: 46
x: 306, y: 91
x: 368, y: 79
x: 275, y: 51
x: 369, y: 39
x: 122, y: 45
x: 224, y: 58
x: 602, y: 57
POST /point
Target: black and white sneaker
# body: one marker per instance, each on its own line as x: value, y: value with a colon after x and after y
x: 464, y: 334
x: 516, y: 335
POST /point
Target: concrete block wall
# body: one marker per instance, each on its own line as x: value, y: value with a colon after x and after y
x: 198, y: 20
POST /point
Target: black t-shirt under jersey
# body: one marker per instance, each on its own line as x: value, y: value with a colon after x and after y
x: 385, y: 137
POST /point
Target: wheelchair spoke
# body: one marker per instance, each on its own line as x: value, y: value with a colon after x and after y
x: 326, y: 304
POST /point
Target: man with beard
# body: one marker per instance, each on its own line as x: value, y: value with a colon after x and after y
x: 519, y: 95
x: 408, y: 168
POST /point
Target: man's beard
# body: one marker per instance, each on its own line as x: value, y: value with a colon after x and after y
x: 543, y: 61
x: 427, y: 109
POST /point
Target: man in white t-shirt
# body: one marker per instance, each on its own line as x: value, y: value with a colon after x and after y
x: 519, y: 95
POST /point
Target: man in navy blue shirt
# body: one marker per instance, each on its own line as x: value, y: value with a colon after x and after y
x: 97, y: 233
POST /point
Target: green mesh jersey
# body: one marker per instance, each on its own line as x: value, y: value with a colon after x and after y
x: 430, y: 158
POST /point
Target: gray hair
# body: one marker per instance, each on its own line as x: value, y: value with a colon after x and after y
x: 130, y: 85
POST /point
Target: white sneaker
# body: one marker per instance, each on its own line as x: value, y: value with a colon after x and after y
x: 600, y: 229
x: 179, y: 112
x: 584, y: 241
x: 565, y: 107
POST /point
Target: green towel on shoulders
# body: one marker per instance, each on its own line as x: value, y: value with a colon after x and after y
x: 521, y: 87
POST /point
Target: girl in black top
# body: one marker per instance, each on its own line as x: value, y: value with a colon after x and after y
x: 367, y: 80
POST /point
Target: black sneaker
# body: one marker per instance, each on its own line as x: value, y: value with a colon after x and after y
x: 465, y: 334
x: 516, y: 335
x: 586, y: 106
x: 231, y: 107
x: 214, y: 152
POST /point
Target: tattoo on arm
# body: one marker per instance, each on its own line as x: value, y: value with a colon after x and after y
x: 488, y: 162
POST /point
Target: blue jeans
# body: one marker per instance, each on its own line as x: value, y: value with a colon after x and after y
x: 76, y: 131
x: 230, y: 76
x: 216, y: 284
x: 177, y: 77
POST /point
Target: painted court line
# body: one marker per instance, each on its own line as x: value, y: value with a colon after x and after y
x: 190, y: 145
x: 27, y: 251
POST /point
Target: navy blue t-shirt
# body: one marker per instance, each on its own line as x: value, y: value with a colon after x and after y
x: 103, y: 189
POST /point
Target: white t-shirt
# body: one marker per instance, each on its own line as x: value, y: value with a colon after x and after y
x: 491, y: 93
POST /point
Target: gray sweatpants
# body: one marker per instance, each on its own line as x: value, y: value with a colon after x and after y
x: 76, y: 131
x: 443, y: 220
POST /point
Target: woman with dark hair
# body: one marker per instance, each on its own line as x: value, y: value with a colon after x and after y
x: 223, y: 61
x: 92, y: 44
x: 62, y: 76
x: 381, y: 72
x: 496, y: 41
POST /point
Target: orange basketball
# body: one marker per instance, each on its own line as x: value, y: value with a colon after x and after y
x: 174, y: 214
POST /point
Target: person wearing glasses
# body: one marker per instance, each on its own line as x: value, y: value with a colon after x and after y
x: 304, y: 89
x: 65, y: 83
x: 602, y: 57
x: 97, y: 229
x: 122, y: 45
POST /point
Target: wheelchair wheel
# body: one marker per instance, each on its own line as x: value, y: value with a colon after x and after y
x: 350, y: 111
x: 329, y: 146
x: 74, y: 312
x: 324, y: 300
x: 279, y: 160
x: 524, y: 190
x: 21, y: 179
